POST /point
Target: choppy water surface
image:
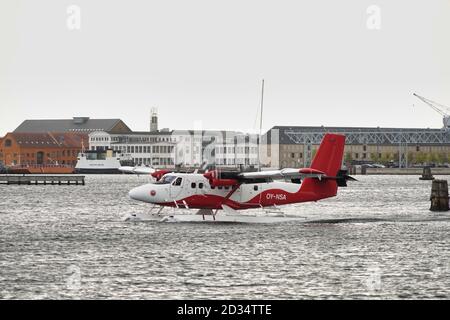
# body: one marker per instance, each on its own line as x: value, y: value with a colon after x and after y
x: 376, y: 239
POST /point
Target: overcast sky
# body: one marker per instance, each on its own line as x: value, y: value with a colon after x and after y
x: 203, y: 60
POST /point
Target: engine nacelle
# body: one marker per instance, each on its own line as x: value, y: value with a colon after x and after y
x: 215, y: 179
x: 223, y: 182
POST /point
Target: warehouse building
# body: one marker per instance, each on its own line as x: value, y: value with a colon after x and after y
x: 285, y: 146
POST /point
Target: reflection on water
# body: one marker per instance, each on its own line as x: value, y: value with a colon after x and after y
x: 377, y: 239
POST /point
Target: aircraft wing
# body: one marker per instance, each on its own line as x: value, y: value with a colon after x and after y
x: 137, y: 170
x: 284, y: 173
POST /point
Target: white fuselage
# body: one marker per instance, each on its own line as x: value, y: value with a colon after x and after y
x: 195, y: 191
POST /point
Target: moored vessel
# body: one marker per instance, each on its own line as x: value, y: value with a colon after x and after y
x: 102, y: 162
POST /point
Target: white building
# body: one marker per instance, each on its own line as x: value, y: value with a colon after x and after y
x: 156, y: 149
x: 167, y: 149
x: 228, y: 149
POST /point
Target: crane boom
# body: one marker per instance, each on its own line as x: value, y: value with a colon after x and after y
x: 440, y: 108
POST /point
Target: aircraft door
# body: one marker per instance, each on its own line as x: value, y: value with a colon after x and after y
x: 176, y: 187
x: 250, y: 191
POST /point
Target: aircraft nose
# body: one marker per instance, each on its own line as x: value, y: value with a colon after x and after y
x: 137, y: 193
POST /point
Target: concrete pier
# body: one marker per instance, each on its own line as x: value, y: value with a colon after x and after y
x: 403, y: 171
x: 439, y: 195
x: 41, y: 179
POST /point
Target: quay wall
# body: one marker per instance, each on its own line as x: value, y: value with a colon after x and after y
x: 403, y: 171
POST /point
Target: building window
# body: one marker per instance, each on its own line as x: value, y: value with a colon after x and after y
x: 417, y: 148
x: 364, y: 148
x: 364, y: 155
x: 8, y: 143
x: 356, y: 155
x: 292, y: 155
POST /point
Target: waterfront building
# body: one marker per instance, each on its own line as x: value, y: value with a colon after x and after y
x: 41, y: 148
x: 156, y: 148
x: 181, y: 148
x: 295, y: 146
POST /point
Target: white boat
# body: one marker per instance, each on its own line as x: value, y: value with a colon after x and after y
x: 100, y: 161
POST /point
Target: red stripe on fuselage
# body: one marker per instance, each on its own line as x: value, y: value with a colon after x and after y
x: 265, y: 199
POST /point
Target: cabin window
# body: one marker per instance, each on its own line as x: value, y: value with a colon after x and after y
x: 219, y: 187
x: 255, y: 188
x: 178, y: 182
x: 200, y: 185
x: 227, y: 187
x: 193, y: 185
x: 213, y: 187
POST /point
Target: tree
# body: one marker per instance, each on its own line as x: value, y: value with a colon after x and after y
x: 431, y: 157
x: 384, y: 158
x: 410, y: 157
x: 348, y: 157
x: 420, y: 157
x: 374, y: 157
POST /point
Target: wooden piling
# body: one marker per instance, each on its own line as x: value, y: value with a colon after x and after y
x: 439, y: 195
x: 426, y: 174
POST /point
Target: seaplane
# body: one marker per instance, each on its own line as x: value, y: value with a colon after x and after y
x: 222, y: 196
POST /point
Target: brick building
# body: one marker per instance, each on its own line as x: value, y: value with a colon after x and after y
x: 41, y: 148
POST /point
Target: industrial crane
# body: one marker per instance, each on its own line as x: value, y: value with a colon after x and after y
x: 444, y: 111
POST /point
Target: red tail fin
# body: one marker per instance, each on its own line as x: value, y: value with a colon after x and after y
x: 328, y: 159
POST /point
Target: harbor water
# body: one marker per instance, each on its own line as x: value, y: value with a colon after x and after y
x: 376, y: 239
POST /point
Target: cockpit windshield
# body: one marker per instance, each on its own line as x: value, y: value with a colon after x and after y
x: 166, y: 179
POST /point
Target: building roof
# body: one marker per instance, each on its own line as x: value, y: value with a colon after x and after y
x: 352, y: 129
x: 76, y: 124
x: 49, y: 139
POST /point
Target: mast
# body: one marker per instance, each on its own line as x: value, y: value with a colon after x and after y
x: 260, y: 125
